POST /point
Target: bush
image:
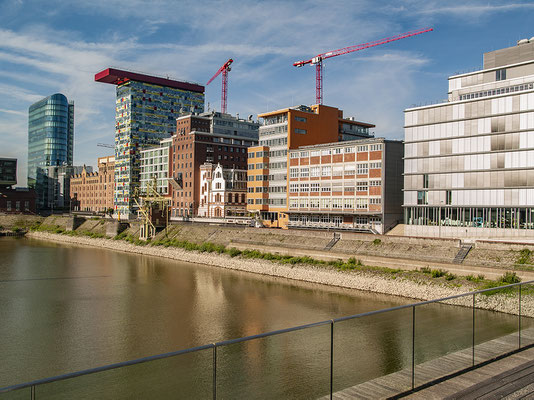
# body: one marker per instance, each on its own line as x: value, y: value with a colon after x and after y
x: 509, y: 278
x: 377, y: 241
x: 438, y: 273
x: 233, y: 252
x: 449, y: 276
x: 524, y: 257
x: 425, y: 270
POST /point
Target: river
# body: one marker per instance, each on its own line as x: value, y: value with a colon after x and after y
x: 66, y: 308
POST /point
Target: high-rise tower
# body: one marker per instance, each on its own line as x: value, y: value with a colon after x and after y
x: 146, y: 112
x: 50, y: 141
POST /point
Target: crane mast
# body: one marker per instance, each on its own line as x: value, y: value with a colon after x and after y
x: 224, y: 71
x: 318, y: 59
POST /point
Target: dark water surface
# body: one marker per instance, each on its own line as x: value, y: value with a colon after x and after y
x: 66, y: 308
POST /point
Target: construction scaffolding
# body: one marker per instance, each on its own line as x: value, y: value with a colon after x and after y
x: 153, y: 210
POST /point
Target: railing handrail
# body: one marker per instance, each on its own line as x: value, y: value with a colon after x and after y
x: 244, y: 339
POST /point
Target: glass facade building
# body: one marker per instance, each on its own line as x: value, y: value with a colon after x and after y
x: 50, y: 141
x: 146, y: 112
x: 469, y: 162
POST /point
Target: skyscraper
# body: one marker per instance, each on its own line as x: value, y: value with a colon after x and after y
x: 146, y: 112
x: 50, y: 141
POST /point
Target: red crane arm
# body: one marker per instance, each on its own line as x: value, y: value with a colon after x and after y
x: 358, y: 47
x: 223, y: 68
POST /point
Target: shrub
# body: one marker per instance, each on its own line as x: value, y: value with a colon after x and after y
x: 524, y: 257
x: 509, y: 278
x: 377, y: 241
x: 449, y: 276
x: 233, y: 252
x: 438, y: 273
x: 425, y: 270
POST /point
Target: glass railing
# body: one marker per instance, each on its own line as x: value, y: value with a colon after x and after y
x: 376, y: 354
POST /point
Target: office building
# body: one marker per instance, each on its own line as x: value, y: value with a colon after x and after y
x: 283, y: 130
x: 155, y: 166
x: 469, y: 161
x: 354, y: 185
x: 59, y: 186
x: 94, y: 191
x: 146, y: 111
x: 14, y: 200
x: 211, y: 137
x: 50, y: 141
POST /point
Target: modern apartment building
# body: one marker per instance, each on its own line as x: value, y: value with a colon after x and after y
x: 94, y: 191
x: 283, y: 130
x: 354, y: 185
x: 469, y: 162
x: 223, y: 191
x: 155, y: 166
x: 146, y: 112
x: 50, y: 141
x: 211, y: 137
x: 8, y: 171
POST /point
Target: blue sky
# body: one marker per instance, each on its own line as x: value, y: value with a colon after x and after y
x: 57, y: 46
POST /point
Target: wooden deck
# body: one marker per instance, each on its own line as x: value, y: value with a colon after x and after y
x: 518, y: 374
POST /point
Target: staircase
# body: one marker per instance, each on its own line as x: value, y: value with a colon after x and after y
x: 334, y: 240
x: 462, y: 253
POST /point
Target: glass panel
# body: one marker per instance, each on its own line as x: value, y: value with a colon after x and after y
x: 527, y: 316
x: 496, y: 332
x: 373, y: 355
x: 187, y: 376
x: 443, y: 339
x: 290, y: 365
x: 21, y: 394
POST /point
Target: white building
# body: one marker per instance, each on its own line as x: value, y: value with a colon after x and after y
x: 222, y: 192
x: 155, y: 164
x: 469, y: 162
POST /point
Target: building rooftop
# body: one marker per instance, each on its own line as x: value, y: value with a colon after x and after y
x: 119, y: 76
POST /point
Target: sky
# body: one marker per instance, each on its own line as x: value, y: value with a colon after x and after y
x: 53, y: 46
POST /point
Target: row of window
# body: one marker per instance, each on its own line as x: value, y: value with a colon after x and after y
x: 336, y: 170
x: 340, y: 150
x: 361, y: 186
x: 494, y: 92
x: 346, y: 203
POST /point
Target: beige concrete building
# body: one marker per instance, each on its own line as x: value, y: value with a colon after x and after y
x: 93, y: 191
x: 469, y: 162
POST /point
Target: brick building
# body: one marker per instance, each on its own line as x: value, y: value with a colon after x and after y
x: 283, y: 130
x: 355, y: 185
x: 208, y: 137
x: 14, y: 200
x: 93, y: 191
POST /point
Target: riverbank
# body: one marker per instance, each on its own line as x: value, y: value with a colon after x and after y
x: 413, y: 287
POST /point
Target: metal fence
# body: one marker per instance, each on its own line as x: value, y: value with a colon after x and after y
x: 401, y: 348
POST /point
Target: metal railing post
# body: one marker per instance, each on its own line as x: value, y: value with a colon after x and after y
x: 331, y: 359
x: 214, y: 371
x: 32, y: 392
x: 519, y: 316
x: 413, y: 347
x: 473, y: 338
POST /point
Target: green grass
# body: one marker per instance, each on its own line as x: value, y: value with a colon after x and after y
x: 524, y: 257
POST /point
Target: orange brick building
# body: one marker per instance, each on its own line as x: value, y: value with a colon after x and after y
x: 93, y: 191
x: 283, y: 130
x: 354, y: 185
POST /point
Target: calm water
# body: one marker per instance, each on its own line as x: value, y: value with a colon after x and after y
x: 66, y: 308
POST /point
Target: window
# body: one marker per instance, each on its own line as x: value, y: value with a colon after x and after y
x: 362, y: 169
x: 325, y: 188
x: 375, y: 147
x: 304, y: 154
x: 337, y: 203
x: 422, y: 197
x: 349, y: 149
x: 325, y: 152
x: 361, y: 204
x: 294, y: 187
x: 500, y: 74
x: 361, y: 186
x: 305, y: 172
x: 304, y: 187
x: 375, y: 183
x: 425, y: 181
x: 294, y: 155
x: 314, y: 187
x: 362, y: 148
x: 375, y: 165
x: 338, y: 151
x: 314, y: 171
x: 448, y: 197
x: 293, y: 172
x: 300, y: 119
x: 315, y: 153
x: 301, y: 131
x: 337, y: 170
x: 326, y: 171
x: 375, y: 200
x: 349, y: 170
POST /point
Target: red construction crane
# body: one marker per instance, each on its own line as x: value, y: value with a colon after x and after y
x: 318, y: 60
x: 224, y: 69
